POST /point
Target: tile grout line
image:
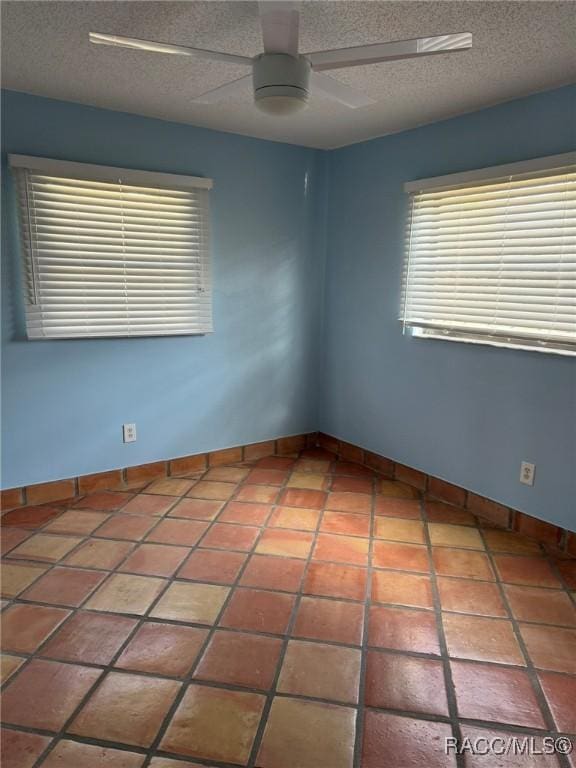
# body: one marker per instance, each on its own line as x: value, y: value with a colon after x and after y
x: 437, y: 608
x: 19, y: 599
x: 44, y: 528
x: 407, y: 713
x: 360, y: 456
x: 9, y: 557
x: 484, y: 724
x: 195, y: 625
x: 72, y: 610
x: 167, y: 515
x: 50, y: 566
x: 188, y: 679
x: 360, y: 717
x: 173, y: 579
x: 135, y: 543
x: 272, y: 692
x: 530, y: 668
x: 560, y: 576
x: 108, y: 668
x: 86, y: 538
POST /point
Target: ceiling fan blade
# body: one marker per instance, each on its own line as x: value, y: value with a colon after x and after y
x: 280, y: 22
x: 177, y: 50
x: 226, y: 91
x: 338, y: 91
x: 398, y: 49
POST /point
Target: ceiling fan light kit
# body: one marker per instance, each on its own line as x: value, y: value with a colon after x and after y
x: 282, y: 78
x: 281, y: 83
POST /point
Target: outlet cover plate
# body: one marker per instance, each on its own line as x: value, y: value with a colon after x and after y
x: 527, y: 471
x: 129, y: 433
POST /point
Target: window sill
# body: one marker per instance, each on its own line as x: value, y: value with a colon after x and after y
x: 492, y: 341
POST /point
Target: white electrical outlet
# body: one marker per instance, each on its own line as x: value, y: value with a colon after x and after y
x: 129, y: 432
x: 527, y: 473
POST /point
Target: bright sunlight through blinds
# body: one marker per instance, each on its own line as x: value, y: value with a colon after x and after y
x: 113, y: 253
x: 495, y: 261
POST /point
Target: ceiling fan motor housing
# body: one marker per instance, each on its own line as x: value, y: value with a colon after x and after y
x: 281, y: 82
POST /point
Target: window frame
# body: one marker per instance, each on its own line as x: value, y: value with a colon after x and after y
x: 462, y: 180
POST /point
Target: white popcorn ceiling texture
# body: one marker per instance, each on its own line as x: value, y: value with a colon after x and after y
x: 519, y: 48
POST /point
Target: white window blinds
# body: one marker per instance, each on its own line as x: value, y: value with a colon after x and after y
x: 492, y: 256
x: 112, y: 252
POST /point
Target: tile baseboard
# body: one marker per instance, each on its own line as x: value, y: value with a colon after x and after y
x: 141, y: 474
x: 557, y: 540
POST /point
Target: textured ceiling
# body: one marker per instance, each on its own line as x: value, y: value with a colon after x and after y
x: 519, y: 48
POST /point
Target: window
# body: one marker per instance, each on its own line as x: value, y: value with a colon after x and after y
x: 491, y: 256
x: 112, y: 252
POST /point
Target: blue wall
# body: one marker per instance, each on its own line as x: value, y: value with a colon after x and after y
x: 293, y: 230
x: 468, y: 414
x: 63, y: 402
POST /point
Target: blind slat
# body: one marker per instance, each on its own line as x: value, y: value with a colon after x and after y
x: 495, y: 260
x: 106, y: 258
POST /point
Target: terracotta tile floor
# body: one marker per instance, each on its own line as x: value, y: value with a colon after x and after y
x: 291, y: 612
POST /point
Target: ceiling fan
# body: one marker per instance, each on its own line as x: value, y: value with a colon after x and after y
x: 281, y: 78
